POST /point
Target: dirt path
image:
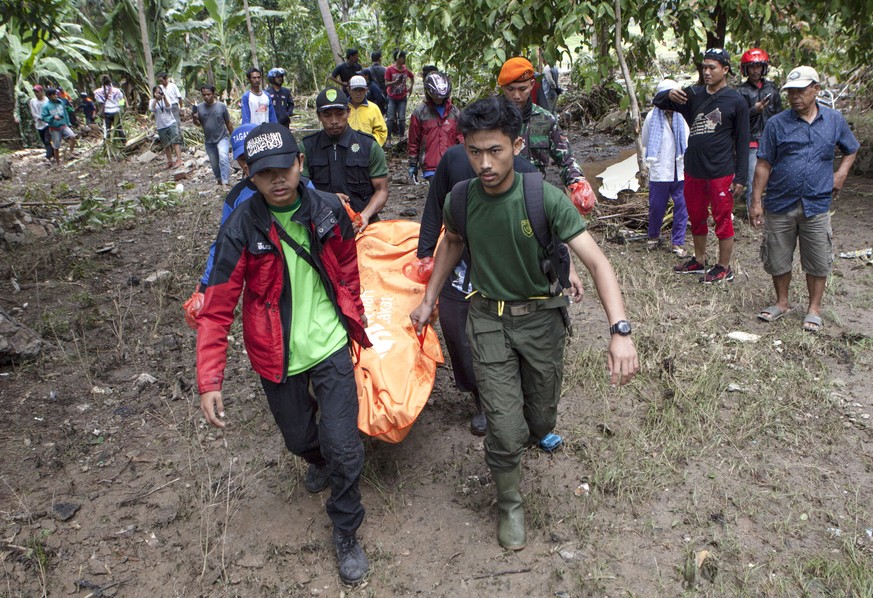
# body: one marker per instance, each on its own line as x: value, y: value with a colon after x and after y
x: 760, y: 454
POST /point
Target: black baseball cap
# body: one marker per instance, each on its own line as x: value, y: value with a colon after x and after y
x: 331, y: 98
x: 719, y: 55
x: 270, y: 145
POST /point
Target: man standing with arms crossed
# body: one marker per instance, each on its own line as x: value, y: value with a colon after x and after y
x: 515, y: 328
x: 716, y: 161
x: 796, y: 166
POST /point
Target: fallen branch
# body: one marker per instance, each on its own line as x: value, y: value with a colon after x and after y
x: 41, y: 204
x: 499, y: 573
x: 129, y: 501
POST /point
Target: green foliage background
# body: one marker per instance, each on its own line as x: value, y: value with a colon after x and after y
x: 72, y: 42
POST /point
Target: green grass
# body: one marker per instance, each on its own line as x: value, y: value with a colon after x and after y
x: 734, y: 472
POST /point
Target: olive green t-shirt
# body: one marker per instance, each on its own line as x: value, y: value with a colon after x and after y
x: 505, y: 253
x: 316, y: 331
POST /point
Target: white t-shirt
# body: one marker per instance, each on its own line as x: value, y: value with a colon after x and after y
x: 163, y: 113
x: 36, y: 112
x: 171, y: 93
x: 111, y: 98
x: 259, y: 107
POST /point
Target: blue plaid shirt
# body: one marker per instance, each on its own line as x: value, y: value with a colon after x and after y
x: 802, y: 158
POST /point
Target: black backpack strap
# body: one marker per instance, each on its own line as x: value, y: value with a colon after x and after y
x: 556, y: 253
x: 536, y: 209
x: 298, y: 249
x: 459, y: 207
x: 534, y: 205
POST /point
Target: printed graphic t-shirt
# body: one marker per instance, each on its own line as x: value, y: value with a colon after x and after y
x: 259, y: 107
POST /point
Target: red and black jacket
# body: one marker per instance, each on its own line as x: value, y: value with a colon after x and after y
x: 249, y: 260
x: 430, y: 134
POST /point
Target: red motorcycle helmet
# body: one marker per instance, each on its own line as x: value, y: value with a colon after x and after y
x: 754, y: 56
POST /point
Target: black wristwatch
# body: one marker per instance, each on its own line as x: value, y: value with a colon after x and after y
x: 621, y: 327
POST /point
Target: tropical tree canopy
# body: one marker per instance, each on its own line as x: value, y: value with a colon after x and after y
x: 197, y: 41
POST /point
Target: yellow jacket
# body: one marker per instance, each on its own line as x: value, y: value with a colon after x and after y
x: 367, y: 118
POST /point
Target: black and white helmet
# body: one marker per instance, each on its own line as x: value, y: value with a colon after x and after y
x: 438, y: 86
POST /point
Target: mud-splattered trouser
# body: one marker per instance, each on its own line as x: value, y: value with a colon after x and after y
x: 334, y: 438
x: 518, y: 359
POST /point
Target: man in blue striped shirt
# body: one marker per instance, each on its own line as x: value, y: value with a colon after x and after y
x: 796, y: 166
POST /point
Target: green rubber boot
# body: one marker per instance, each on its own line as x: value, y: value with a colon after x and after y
x: 510, y: 528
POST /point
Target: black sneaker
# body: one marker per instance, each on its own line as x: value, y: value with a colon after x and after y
x: 353, y: 563
x: 692, y: 266
x: 317, y: 478
x: 717, y: 274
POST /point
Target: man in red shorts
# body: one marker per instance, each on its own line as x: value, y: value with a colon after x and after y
x: 716, y: 162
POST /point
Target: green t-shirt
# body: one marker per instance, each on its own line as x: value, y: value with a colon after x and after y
x: 505, y: 253
x: 378, y: 165
x: 316, y: 331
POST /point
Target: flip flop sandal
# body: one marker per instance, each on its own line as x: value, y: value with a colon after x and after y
x: 679, y: 251
x: 772, y: 313
x: 812, y: 323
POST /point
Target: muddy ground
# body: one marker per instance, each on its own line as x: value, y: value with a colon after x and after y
x: 760, y: 454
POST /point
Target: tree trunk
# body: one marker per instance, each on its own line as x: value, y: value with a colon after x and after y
x: 715, y: 39
x: 146, y: 44
x: 632, y: 92
x: 345, y: 11
x: 251, y: 35
x: 10, y: 131
x: 332, y: 38
x: 210, y: 74
x: 601, y: 41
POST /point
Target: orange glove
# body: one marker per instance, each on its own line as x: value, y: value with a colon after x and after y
x: 582, y: 196
x: 419, y: 270
x: 192, y: 307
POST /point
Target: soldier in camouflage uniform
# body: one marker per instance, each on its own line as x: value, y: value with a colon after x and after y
x: 543, y: 138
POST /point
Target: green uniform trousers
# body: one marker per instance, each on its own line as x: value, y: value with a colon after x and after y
x: 519, y: 365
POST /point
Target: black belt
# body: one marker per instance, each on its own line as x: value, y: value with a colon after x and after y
x: 521, y: 308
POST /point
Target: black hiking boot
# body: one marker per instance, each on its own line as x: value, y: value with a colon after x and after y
x: 317, y: 478
x: 353, y: 563
x: 478, y: 423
